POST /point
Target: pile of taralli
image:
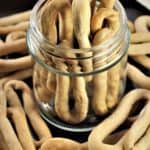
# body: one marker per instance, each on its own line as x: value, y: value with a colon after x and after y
x: 128, y: 127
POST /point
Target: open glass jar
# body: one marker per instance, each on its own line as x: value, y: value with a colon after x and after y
x: 69, y: 97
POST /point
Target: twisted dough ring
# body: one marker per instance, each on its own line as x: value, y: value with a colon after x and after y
x: 63, y: 83
x: 30, y: 108
x: 106, y: 85
x: 139, y: 127
x: 80, y: 10
x: 44, y: 80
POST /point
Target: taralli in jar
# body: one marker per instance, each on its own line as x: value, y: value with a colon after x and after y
x: 80, y: 10
x: 46, y: 87
x: 106, y: 83
x: 107, y: 4
x: 131, y: 138
x: 40, y: 79
x: 75, y: 60
x: 79, y: 94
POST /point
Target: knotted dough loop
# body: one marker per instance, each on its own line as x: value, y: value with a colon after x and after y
x: 62, y: 97
x: 63, y: 83
x: 106, y: 84
x: 131, y: 137
x: 80, y: 10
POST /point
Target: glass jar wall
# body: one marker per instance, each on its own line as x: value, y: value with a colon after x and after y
x: 70, y: 93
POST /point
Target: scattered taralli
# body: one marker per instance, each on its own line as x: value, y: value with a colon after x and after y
x: 65, y: 23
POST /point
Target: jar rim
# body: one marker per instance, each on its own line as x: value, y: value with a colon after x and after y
x: 116, y: 37
x: 117, y: 44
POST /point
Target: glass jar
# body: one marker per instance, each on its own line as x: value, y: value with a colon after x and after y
x: 68, y: 97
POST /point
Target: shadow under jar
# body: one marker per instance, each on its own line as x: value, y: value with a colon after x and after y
x: 69, y: 97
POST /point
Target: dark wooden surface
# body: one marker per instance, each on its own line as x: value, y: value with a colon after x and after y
x: 10, y: 6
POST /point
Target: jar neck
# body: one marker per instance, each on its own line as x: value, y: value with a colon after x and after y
x: 103, y: 55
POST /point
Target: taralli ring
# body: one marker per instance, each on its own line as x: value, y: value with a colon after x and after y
x: 30, y: 108
x: 17, y: 114
x: 129, y: 139
x: 8, y: 136
x: 82, y: 31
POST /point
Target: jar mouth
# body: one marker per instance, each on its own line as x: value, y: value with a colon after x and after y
x: 109, y: 53
x: 107, y: 43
